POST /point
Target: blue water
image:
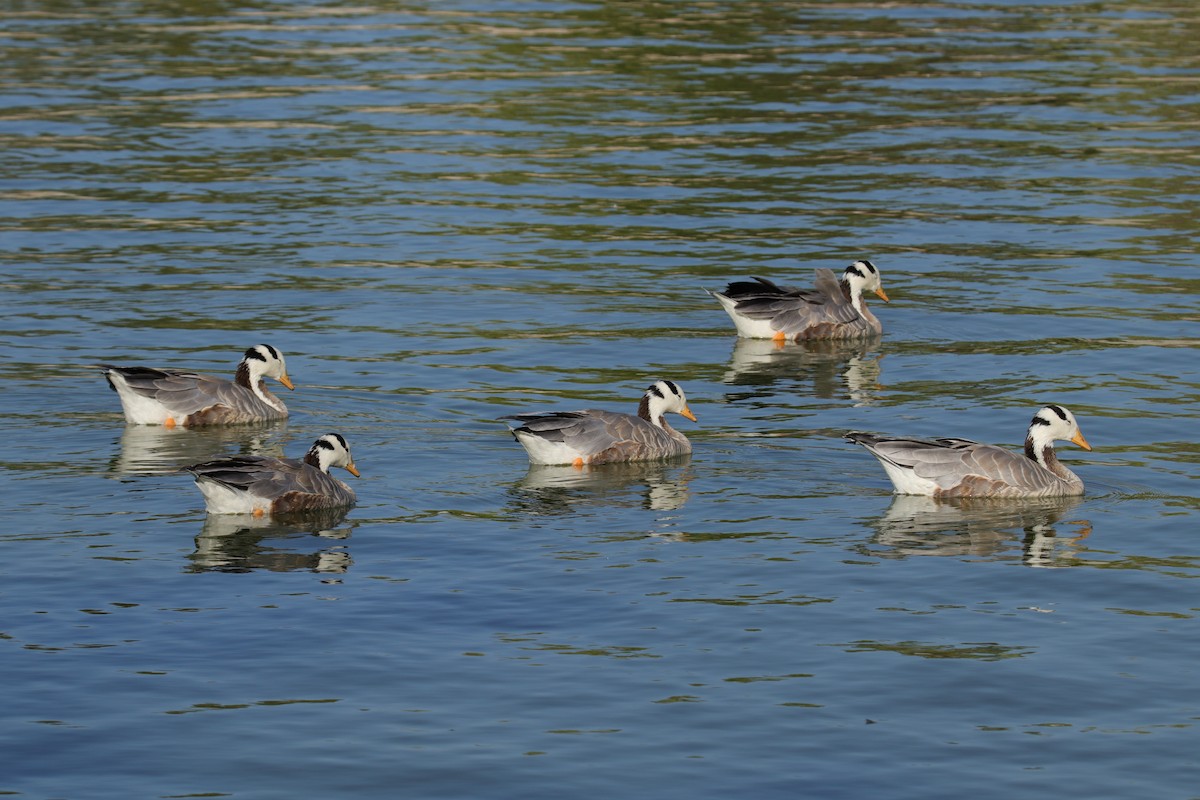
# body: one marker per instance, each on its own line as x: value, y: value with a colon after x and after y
x: 446, y: 213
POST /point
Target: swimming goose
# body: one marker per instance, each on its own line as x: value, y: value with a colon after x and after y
x: 962, y: 468
x: 833, y: 309
x: 188, y: 399
x: 598, y: 437
x: 261, y: 485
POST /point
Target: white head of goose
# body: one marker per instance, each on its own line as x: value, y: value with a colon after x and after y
x: 593, y: 436
x: 261, y: 485
x: 962, y: 468
x: 188, y: 399
x: 832, y: 309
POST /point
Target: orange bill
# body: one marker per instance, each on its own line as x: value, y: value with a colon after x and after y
x: 286, y: 381
x: 687, y: 412
x: 353, y: 470
x: 882, y: 295
x: 1079, y: 440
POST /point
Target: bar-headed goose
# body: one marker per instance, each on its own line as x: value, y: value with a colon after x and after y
x: 962, y: 468
x: 597, y: 437
x: 261, y: 485
x: 833, y: 309
x: 188, y: 399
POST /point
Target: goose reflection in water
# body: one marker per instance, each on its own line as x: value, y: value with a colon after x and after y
x: 839, y: 369
x: 244, y: 543
x: 654, y: 485
x: 987, y: 528
x: 155, y: 450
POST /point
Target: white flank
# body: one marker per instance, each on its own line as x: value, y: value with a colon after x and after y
x: 746, y: 328
x: 908, y: 482
x: 220, y: 499
x: 542, y: 451
x: 138, y: 410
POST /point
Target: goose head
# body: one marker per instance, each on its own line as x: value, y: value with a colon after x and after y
x: 328, y: 451
x: 864, y: 276
x: 263, y: 361
x: 1048, y: 425
x: 661, y: 397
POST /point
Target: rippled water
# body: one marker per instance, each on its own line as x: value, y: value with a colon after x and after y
x: 446, y: 213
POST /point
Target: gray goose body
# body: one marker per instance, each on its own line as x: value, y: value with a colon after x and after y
x: 832, y: 309
x: 949, y: 467
x: 172, y: 398
x: 262, y: 485
x: 594, y: 436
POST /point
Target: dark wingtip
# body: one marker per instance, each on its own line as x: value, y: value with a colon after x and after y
x: 755, y: 287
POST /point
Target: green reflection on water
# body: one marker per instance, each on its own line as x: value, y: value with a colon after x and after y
x: 979, y: 651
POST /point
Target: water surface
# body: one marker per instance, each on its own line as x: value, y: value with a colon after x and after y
x: 446, y: 213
